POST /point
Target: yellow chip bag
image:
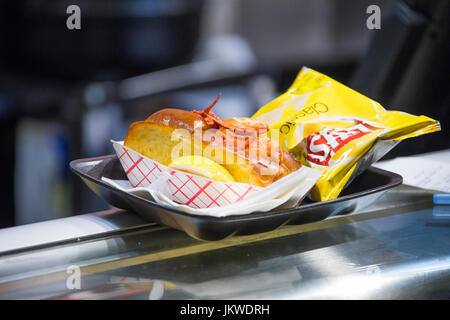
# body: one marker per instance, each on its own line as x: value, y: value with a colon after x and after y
x: 332, y: 128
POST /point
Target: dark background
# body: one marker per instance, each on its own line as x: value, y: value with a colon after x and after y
x: 64, y: 93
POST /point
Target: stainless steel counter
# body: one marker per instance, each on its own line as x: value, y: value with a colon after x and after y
x: 398, y: 248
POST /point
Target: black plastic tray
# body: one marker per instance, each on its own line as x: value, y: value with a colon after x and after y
x: 364, y: 190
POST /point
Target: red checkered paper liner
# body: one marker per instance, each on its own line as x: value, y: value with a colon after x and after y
x: 180, y: 187
x: 201, y: 196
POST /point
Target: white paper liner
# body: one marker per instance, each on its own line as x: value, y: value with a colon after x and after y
x: 198, y: 195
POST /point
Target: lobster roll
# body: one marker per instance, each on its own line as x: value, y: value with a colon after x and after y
x: 240, y: 145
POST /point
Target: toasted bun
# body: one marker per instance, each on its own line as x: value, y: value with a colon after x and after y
x: 176, y: 119
x: 155, y: 139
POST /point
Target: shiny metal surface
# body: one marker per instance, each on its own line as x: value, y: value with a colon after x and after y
x: 52, y: 232
x: 398, y: 248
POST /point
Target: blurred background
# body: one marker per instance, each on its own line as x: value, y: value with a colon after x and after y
x: 65, y: 93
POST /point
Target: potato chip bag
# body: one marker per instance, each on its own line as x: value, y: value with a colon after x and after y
x: 332, y: 128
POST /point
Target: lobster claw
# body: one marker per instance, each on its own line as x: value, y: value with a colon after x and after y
x: 240, y: 125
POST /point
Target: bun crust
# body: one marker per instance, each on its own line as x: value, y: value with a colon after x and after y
x: 176, y: 119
